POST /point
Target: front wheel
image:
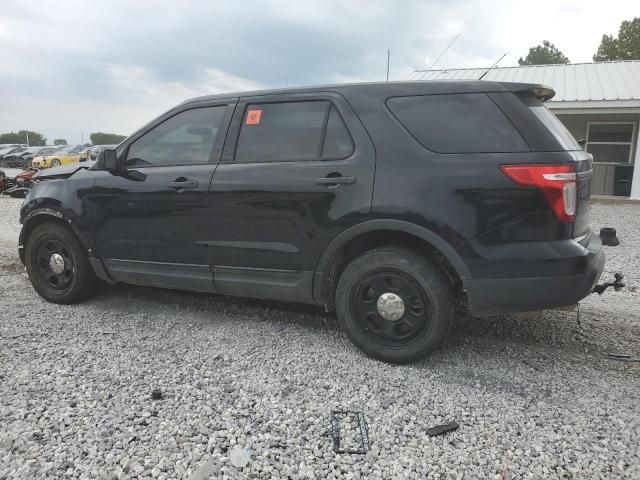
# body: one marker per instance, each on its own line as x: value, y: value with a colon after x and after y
x: 55, y: 163
x: 394, y: 304
x: 57, y: 265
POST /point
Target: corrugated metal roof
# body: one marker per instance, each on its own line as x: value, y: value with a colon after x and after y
x: 577, y: 82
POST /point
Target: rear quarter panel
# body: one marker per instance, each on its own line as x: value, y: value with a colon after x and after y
x: 463, y: 198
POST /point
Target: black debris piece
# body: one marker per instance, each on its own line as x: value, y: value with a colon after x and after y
x: 608, y: 237
x: 362, y: 431
x: 618, y: 355
x: 441, y: 429
x: 622, y: 357
x: 156, y: 394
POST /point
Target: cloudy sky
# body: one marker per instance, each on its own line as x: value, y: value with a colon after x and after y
x: 70, y: 67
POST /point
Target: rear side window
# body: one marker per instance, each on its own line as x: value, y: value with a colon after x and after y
x: 553, y: 124
x: 457, y: 123
x: 292, y: 131
x: 337, y: 141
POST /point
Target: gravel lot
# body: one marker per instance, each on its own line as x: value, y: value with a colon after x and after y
x: 247, y: 387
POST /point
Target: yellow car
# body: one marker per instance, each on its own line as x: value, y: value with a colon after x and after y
x: 70, y: 154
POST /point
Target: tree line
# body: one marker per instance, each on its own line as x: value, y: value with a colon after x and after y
x: 37, y: 139
x: 626, y: 46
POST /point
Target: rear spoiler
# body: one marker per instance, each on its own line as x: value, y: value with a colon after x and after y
x: 542, y: 92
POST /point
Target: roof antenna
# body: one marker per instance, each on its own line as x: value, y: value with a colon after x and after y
x: 482, y: 76
x: 444, y: 51
x: 388, y: 61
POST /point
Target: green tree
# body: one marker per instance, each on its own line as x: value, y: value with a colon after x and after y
x: 35, y: 139
x: 101, y: 138
x: 59, y: 141
x: 544, y: 54
x: 625, y: 47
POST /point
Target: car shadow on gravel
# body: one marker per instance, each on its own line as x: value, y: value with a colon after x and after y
x: 557, y: 331
x: 149, y: 300
x: 552, y: 328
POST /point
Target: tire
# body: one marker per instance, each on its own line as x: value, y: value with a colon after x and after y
x: 427, y: 301
x: 55, y: 163
x: 66, y: 282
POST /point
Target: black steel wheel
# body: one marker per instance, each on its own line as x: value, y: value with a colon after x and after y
x: 57, y: 264
x: 394, y: 304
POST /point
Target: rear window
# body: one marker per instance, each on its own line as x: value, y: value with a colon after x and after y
x: 457, y: 123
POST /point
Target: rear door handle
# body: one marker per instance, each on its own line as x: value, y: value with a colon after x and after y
x: 336, y: 181
x: 183, y: 184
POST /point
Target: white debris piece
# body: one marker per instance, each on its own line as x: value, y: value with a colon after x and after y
x: 239, y: 456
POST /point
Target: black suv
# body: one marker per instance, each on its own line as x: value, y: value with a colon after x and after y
x: 388, y: 202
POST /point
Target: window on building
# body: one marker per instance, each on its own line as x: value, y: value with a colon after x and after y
x: 292, y: 131
x: 457, y: 123
x: 610, y: 142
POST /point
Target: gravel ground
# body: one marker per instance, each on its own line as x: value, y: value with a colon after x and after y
x: 246, y: 388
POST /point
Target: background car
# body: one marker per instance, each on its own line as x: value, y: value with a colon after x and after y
x: 11, y: 150
x: 23, y: 159
x: 93, y: 152
x: 69, y: 154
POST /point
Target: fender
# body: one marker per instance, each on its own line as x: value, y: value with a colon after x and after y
x: 386, y: 224
x: 37, y: 214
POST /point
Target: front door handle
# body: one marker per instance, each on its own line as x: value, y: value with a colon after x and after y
x: 182, y: 185
x: 336, y: 181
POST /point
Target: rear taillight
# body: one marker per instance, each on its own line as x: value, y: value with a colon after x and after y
x: 557, y: 182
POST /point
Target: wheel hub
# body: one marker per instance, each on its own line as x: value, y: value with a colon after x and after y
x: 56, y: 263
x: 390, y: 306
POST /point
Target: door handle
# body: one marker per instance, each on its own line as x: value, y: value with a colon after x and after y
x: 330, y: 181
x: 181, y: 185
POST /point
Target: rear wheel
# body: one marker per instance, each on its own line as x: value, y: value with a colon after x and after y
x: 394, y: 304
x: 57, y: 265
x: 55, y: 162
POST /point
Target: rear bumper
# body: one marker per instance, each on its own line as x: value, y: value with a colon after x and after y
x: 490, y: 296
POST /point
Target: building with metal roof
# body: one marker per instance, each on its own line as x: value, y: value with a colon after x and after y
x: 598, y: 102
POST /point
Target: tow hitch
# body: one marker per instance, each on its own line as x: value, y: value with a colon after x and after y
x: 616, y: 284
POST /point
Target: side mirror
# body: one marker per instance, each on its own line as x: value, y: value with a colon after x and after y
x: 109, y: 160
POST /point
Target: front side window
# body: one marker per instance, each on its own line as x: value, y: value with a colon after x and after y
x: 184, y: 139
x: 292, y: 131
x: 610, y: 142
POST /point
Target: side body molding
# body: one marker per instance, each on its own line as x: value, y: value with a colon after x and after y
x: 385, y: 224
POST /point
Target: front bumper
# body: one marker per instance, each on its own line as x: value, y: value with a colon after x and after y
x: 492, y: 296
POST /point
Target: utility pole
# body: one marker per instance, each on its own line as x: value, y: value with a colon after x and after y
x: 388, y: 61
x: 27, y: 132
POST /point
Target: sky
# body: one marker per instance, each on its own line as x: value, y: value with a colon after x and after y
x: 71, y: 67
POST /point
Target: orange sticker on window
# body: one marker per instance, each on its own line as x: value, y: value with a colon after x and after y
x: 253, y: 117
